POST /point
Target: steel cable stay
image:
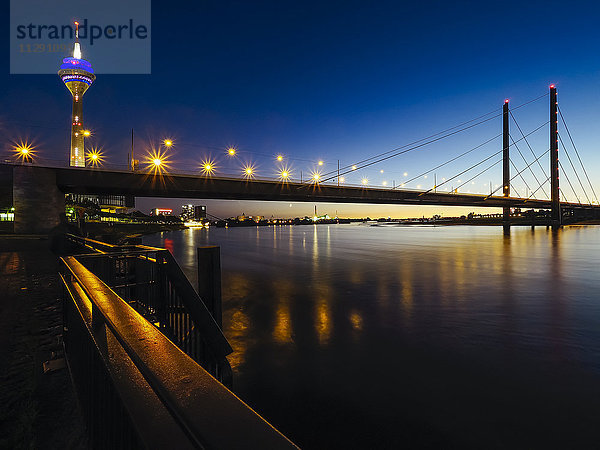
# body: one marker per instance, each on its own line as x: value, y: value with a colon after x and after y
x: 524, y: 159
x: 417, y: 141
x: 568, y: 181
x: 577, y: 153
x: 461, y: 173
x: 520, y: 172
x: 573, y: 167
x: 523, y: 179
x: 413, y: 145
x: 478, y: 174
x: 481, y: 162
x: 450, y: 160
x: 345, y: 170
x: 528, y: 145
x: 538, y: 188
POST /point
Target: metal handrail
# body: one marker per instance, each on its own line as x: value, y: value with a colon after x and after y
x: 164, y: 293
x: 205, y: 410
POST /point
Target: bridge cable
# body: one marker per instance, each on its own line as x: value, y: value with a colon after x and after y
x: 575, y: 171
x: 517, y: 169
x: 461, y: 173
x: 406, y: 150
x: 520, y: 172
x: 528, y: 145
x: 480, y: 173
x: 418, y: 141
x: 524, y: 159
x: 578, y: 157
x: 334, y: 173
x: 568, y: 181
x: 450, y: 160
x: 486, y: 159
x: 538, y: 188
x: 476, y: 175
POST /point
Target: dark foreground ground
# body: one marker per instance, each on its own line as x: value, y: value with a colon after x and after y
x: 37, y: 409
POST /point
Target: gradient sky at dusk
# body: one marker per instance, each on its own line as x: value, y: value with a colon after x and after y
x: 331, y: 80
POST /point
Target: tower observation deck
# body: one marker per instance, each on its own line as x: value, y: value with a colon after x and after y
x: 78, y: 76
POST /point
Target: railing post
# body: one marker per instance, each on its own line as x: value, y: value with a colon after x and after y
x: 209, y: 280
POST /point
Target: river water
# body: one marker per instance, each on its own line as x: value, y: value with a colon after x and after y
x: 358, y: 336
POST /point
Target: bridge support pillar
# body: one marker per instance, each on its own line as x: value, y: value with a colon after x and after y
x: 505, y: 165
x: 554, y: 187
x: 37, y: 200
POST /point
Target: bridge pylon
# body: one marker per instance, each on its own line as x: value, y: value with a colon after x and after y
x: 554, y: 185
x: 505, y: 164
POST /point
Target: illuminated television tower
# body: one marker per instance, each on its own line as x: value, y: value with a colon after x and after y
x: 78, y: 76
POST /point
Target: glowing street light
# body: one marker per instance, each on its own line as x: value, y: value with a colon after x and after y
x: 354, y: 167
x: 315, y: 177
x: 95, y: 157
x: 168, y: 143
x: 342, y: 179
x: 365, y: 181
x: 156, y: 162
x: 86, y: 133
x: 284, y: 174
x: 207, y: 167
x: 320, y: 163
x: 249, y: 171
x: 279, y: 158
x: 231, y: 151
x: 24, y: 151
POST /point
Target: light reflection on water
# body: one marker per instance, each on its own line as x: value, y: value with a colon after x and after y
x: 350, y: 336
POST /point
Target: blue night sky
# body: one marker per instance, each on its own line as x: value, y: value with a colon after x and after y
x: 332, y: 80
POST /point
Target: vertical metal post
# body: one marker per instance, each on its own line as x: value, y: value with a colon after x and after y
x: 338, y: 177
x: 209, y: 280
x: 554, y: 187
x: 505, y: 164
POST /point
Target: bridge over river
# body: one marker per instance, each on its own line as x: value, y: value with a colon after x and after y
x: 37, y: 193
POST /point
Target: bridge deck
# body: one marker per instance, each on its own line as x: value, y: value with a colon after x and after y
x: 93, y: 181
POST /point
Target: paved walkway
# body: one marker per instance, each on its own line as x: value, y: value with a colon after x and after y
x: 37, y: 409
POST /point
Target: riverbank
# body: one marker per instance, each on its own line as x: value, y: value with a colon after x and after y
x: 38, y: 407
x: 118, y: 233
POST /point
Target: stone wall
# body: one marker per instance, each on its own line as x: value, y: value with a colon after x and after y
x: 37, y: 200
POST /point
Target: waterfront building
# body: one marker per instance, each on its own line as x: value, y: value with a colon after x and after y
x: 199, y: 213
x: 187, y: 213
x: 161, y: 212
x: 78, y: 76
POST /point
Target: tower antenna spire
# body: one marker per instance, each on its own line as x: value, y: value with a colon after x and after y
x: 77, y: 47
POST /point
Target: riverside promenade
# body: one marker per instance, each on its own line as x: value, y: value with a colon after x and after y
x: 38, y: 408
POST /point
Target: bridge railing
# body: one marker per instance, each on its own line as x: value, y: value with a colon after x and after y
x: 152, y: 282
x: 137, y: 389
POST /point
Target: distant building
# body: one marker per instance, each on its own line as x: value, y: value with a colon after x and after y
x: 187, y: 213
x: 107, y: 203
x: 193, y: 213
x: 199, y: 212
x: 161, y: 212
